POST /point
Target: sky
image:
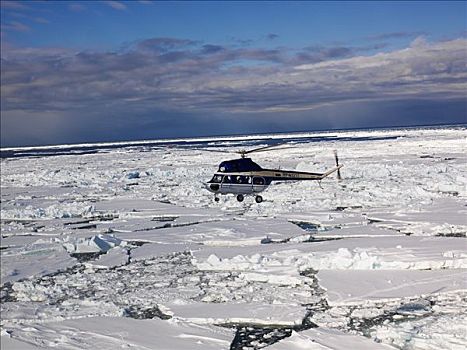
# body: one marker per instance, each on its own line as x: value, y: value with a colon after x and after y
x: 90, y: 71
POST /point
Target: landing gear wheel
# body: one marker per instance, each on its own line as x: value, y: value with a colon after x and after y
x: 240, y: 198
x: 258, y: 199
x: 216, y: 199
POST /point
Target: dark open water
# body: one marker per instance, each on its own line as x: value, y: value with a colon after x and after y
x: 250, y: 141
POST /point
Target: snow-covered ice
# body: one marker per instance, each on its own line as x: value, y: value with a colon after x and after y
x: 111, y: 332
x: 124, y: 248
x: 325, y: 339
x: 359, y: 286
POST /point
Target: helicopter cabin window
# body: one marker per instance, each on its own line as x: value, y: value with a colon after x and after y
x: 227, y: 179
x: 216, y: 179
x: 242, y: 179
x: 258, y: 181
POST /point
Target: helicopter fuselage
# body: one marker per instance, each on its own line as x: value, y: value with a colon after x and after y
x: 237, y: 183
x: 243, y: 176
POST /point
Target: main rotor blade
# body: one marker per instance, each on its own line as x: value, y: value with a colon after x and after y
x: 209, y: 150
x: 242, y: 152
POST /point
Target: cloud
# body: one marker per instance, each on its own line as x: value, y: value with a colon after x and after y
x: 160, y: 70
x: 41, y: 20
x: 75, y: 7
x: 15, y: 26
x: 23, y: 14
x: 319, y: 53
x: 419, y: 42
x: 116, y: 5
x: 14, y: 5
x: 164, y: 44
x: 252, y: 41
x: 272, y: 36
x: 396, y: 35
x: 172, y: 76
x: 210, y: 49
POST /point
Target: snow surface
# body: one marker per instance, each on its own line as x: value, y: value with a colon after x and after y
x: 325, y: 339
x: 124, y: 248
x: 116, y: 332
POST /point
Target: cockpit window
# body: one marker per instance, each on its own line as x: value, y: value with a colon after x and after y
x: 216, y: 179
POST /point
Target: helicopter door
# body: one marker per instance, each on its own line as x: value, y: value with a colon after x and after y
x: 258, y: 184
x: 226, y: 184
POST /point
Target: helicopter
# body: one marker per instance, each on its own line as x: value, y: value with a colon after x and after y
x: 243, y: 176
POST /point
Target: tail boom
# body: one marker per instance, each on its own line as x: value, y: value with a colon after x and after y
x: 281, y: 175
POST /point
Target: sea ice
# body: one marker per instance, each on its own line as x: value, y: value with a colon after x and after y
x: 359, y: 286
x: 125, y: 248
x: 326, y: 339
x: 116, y: 332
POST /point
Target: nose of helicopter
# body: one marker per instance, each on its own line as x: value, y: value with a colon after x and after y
x: 211, y: 187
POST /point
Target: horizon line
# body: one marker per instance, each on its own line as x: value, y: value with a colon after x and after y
x: 218, y: 137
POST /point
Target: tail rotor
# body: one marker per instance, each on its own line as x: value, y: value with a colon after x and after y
x: 337, y: 165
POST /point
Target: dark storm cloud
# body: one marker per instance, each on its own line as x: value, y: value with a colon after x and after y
x: 58, y: 89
